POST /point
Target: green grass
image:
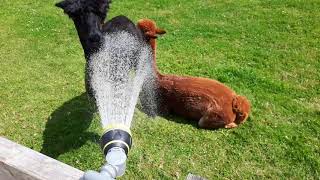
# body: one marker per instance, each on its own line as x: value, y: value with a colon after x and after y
x: 267, y: 50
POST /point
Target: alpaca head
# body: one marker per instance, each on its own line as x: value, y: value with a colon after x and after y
x: 149, y: 28
x: 78, y: 8
x: 88, y: 16
x: 241, y: 108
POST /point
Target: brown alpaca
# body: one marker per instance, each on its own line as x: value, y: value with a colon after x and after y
x: 208, y: 101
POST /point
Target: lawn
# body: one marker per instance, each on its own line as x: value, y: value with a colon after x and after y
x: 266, y: 50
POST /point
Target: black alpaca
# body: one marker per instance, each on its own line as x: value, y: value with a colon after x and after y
x: 88, y: 17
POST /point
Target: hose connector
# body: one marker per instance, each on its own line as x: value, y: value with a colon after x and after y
x: 116, y: 142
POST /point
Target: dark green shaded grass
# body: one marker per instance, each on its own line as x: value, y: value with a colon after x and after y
x: 268, y: 51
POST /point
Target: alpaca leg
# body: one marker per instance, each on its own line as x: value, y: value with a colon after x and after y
x: 231, y: 125
x: 211, y: 121
x: 203, y: 123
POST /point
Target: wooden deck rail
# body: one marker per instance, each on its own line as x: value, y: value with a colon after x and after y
x: 20, y: 163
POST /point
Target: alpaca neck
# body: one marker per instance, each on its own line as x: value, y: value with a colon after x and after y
x: 84, y: 34
x: 154, y: 61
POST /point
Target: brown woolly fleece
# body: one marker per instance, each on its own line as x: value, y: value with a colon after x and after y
x: 211, y: 103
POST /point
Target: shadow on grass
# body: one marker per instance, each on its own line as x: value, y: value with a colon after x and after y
x: 181, y: 120
x: 66, y: 127
x: 194, y: 123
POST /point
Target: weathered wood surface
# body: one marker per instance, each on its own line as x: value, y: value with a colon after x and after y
x: 20, y: 163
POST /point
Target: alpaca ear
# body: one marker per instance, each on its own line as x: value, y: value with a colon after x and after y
x: 150, y: 35
x: 61, y: 4
x: 160, y: 31
x: 70, y: 7
x: 104, y: 5
x: 104, y: 1
x: 140, y: 21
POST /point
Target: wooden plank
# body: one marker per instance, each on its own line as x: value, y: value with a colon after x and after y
x: 20, y: 163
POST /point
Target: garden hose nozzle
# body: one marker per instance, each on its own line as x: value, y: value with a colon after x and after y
x: 116, y: 142
x: 116, y: 137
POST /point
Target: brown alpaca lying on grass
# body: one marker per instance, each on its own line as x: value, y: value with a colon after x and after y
x: 208, y: 101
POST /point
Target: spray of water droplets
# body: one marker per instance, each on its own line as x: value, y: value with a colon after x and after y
x: 118, y: 72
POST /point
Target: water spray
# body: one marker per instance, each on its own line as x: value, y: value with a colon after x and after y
x: 117, y: 73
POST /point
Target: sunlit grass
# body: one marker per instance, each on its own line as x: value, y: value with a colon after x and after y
x: 268, y: 51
